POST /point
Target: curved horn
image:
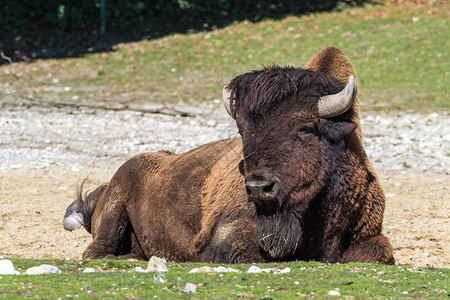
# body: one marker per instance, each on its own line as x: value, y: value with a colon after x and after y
x: 337, y: 104
x: 226, y: 94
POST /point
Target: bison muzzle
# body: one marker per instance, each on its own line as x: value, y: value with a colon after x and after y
x: 297, y: 184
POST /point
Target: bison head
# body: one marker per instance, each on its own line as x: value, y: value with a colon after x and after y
x: 293, y: 123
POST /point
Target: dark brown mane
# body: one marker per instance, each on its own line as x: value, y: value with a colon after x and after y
x: 260, y: 90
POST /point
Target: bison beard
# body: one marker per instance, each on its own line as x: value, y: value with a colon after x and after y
x: 279, y: 234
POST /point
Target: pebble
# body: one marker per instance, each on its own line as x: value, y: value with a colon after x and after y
x: 254, y: 269
x: 211, y: 123
x: 50, y: 269
x: 334, y: 293
x: 156, y: 264
x: 190, y: 288
x: 32, y: 139
x: 89, y: 270
x: 284, y: 271
x: 140, y: 270
x: 16, y: 166
x: 36, y: 271
x: 7, y: 267
x: 159, y: 279
x: 221, y: 269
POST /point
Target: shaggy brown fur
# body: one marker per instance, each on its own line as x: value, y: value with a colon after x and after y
x: 194, y: 207
x: 258, y: 91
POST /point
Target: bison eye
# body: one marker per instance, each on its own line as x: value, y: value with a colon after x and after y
x: 305, y: 132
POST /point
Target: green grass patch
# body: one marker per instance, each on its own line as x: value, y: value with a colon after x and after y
x: 400, y: 53
x: 116, y: 279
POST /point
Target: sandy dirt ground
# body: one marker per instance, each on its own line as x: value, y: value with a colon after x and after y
x: 33, y: 202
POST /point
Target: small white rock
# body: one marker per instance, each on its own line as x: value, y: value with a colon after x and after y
x: 285, y: 270
x: 50, y: 269
x: 140, y: 270
x: 254, y: 269
x: 7, y: 267
x: 89, y: 270
x: 211, y: 123
x: 190, y: 288
x: 233, y: 270
x: 36, y: 271
x: 334, y: 293
x: 156, y: 264
x: 194, y: 270
x: 221, y: 269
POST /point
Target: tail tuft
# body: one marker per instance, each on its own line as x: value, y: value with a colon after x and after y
x: 79, y: 212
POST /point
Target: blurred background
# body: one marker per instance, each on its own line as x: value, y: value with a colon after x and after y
x: 140, y: 52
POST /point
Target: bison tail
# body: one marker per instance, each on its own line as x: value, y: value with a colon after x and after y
x: 79, y: 213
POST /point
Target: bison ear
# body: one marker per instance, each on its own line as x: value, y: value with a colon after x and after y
x: 338, y: 130
x: 332, y: 61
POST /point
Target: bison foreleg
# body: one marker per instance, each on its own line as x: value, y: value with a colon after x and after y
x: 233, y: 242
x: 377, y: 249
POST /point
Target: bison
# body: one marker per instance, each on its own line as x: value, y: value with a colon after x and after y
x: 296, y: 184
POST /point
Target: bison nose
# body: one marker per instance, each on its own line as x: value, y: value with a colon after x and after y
x: 264, y: 193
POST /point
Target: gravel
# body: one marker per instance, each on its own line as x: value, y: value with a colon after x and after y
x: 408, y: 141
x: 37, y: 138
